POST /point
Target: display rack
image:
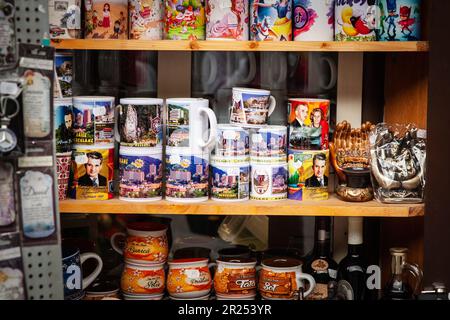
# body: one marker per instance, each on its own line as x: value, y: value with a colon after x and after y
x: 285, y: 46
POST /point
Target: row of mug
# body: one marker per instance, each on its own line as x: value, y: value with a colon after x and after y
x: 279, y: 20
x: 92, y: 121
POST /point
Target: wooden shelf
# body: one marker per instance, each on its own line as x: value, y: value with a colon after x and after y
x: 186, y: 45
x: 330, y: 207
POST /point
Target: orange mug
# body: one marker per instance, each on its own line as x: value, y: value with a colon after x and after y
x: 146, y: 243
x: 189, y: 278
x: 139, y: 279
x: 235, y: 278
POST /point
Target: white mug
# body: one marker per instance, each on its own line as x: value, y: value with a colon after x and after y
x: 187, y: 124
x: 313, y: 20
x: 251, y: 107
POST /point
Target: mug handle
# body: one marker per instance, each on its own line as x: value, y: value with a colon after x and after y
x: 282, y: 76
x: 333, y: 75
x: 213, y: 124
x: 251, y: 69
x: 113, y: 242
x: 212, y: 68
x: 273, y: 104
x: 90, y: 278
x: 118, y: 112
x: 310, y: 279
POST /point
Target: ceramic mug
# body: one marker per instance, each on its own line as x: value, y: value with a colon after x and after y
x: 93, y: 170
x: 94, y: 121
x: 268, y: 144
x: 189, y: 278
x: 281, y: 278
x: 64, y: 19
x: 140, y: 122
x: 184, y: 21
x: 232, y: 142
x: 313, y: 20
x: 102, y: 289
x: 141, y: 173
x: 146, y: 243
x: 146, y: 19
x: 63, y: 124
x: 400, y: 20
x: 63, y: 162
x: 227, y: 20
x: 143, y: 279
x: 251, y: 107
x: 187, y: 176
x: 230, y: 181
x: 187, y: 124
x: 106, y: 19
x: 355, y: 20
x: 308, y: 123
x: 269, y: 181
x: 235, y: 278
x: 74, y: 282
x: 271, y: 21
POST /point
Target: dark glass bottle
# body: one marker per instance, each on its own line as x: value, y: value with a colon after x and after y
x: 398, y: 288
x: 320, y: 264
x: 352, y: 268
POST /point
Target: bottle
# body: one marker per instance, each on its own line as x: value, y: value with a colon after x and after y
x: 321, y: 265
x: 352, y: 267
x: 398, y: 288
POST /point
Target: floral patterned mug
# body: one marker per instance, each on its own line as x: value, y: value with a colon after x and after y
x: 146, y: 243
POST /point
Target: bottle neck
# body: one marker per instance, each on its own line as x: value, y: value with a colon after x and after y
x: 322, y: 248
x: 354, y: 250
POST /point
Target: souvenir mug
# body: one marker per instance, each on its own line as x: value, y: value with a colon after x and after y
x: 74, y: 283
x: 355, y: 20
x: 146, y: 243
x: 92, y: 173
x: 63, y: 123
x: 230, y: 181
x: 63, y: 163
x: 231, y: 142
x: 187, y: 124
x: 227, y: 20
x: 269, y: 181
x: 235, y: 278
x: 189, y: 278
x: 102, y: 289
x: 308, y: 174
x: 64, y: 75
x: 94, y: 121
x: 271, y: 20
x: 313, y: 20
x: 140, y: 122
x: 268, y: 144
x: 187, y: 176
x: 106, y: 19
x: 146, y: 19
x: 143, y: 279
x: 251, y: 107
x: 64, y: 19
x: 308, y: 123
x: 400, y: 20
x: 184, y: 20
x: 281, y: 278
x: 141, y: 173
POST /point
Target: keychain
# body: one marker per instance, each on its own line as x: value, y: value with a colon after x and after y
x: 8, y: 139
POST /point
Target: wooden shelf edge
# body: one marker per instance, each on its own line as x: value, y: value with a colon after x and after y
x: 202, y: 45
x: 331, y: 207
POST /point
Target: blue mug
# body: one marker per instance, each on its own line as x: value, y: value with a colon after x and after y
x: 74, y: 283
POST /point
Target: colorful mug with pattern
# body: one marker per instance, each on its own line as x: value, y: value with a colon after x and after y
x: 268, y: 144
x: 184, y: 20
x: 141, y: 173
x: 189, y: 278
x: 63, y: 124
x: 271, y: 20
x: 251, y: 107
x: 400, y: 20
x: 230, y: 181
x: 269, y: 181
x: 235, y: 278
x: 232, y: 142
x: 146, y: 18
x: 146, y: 243
x: 227, y: 20
x: 356, y: 20
x: 313, y: 20
x: 143, y: 279
x: 106, y: 19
